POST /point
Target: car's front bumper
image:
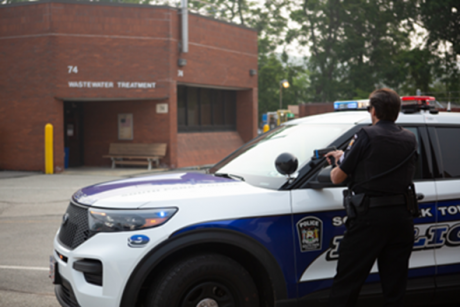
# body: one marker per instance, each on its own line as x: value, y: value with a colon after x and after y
x: 64, y: 294
x: 118, y: 261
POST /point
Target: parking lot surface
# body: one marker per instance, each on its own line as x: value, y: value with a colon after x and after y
x: 31, y: 209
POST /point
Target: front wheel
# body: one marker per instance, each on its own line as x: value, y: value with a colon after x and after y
x: 209, y: 280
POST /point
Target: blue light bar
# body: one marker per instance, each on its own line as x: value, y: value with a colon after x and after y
x: 351, y: 105
x: 346, y: 105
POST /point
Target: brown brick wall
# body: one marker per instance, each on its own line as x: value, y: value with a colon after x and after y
x: 27, y: 104
x: 219, y: 54
x: 111, y: 59
x: 246, y: 114
x: 208, y: 32
x: 130, y: 22
x: 25, y: 20
x: 38, y: 41
x: 307, y: 109
x: 206, y: 148
x: 101, y: 127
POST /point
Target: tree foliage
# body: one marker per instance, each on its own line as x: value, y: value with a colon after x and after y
x: 273, y: 69
x: 442, y: 21
x: 355, y: 44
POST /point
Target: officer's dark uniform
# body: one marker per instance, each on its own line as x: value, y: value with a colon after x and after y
x: 386, y: 231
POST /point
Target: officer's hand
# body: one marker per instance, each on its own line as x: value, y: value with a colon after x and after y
x: 336, y: 154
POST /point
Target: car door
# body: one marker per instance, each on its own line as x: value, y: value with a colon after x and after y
x: 446, y: 234
x: 318, y: 219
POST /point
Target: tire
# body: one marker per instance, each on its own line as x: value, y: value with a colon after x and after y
x: 208, y: 280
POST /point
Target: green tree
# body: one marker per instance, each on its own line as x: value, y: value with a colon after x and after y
x: 418, y: 66
x: 273, y: 69
x: 442, y: 21
x: 447, y: 78
x: 355, y: 44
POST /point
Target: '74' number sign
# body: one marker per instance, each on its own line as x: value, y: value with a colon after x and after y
x: 73, y: 69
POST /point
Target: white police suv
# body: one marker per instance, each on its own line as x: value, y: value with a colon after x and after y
x: 246, y: 235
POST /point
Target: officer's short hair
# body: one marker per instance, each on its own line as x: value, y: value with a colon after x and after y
x: 387, y: 104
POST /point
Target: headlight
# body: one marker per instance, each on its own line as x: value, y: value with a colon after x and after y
x: 106, y: 220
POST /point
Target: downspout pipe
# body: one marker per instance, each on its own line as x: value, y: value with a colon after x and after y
x: 184, y: 26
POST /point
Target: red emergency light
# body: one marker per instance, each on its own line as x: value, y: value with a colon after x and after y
x: 418, y: 99
x: 413, y: 104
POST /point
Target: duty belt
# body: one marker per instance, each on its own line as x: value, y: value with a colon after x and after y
x: 387, y: 201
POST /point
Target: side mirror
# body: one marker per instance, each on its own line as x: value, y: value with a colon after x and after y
x: 323, y: 180
x: 286, y: 164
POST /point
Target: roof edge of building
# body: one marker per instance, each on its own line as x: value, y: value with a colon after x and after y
x: 89, y: 2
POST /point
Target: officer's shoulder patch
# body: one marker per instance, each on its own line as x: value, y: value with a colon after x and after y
x: 355, y: 137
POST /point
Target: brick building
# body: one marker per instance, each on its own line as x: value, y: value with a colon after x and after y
x: 104, y: 73
x: 307, y: 109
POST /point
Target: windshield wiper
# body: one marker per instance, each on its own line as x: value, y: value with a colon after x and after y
x: 230, y: 176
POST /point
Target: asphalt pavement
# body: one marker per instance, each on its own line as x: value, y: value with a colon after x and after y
x: 31, y: 209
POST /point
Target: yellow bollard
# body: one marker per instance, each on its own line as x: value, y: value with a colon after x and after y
x: 49, y: 161
x: 266, y: 128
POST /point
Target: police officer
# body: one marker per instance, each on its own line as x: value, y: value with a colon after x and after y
x: 383, y: 230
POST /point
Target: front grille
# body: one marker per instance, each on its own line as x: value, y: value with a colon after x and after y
x: 76, y: 230
x: 64, y: 293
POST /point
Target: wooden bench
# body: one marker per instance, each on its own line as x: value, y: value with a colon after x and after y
x: 149, y: 152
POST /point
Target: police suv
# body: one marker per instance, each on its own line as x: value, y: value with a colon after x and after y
x: 247, y: 235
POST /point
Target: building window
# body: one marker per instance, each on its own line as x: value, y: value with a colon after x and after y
x: 204, y: 109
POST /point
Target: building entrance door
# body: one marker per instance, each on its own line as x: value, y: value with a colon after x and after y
x: 73, y: 134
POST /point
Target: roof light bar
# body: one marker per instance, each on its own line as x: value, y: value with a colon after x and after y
x: 413, y: 104
x: 351, y: 105
x: 417, y: 99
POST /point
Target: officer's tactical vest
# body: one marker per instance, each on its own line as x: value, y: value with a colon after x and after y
x: 389, y: 146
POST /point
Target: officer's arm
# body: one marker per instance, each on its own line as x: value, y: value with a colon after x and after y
x: 338, y: 176
x: 349, y: 160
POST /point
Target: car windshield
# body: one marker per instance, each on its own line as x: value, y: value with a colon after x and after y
x: 255, y: 161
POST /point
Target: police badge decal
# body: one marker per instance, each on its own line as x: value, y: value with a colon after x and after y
x: 310, y: 231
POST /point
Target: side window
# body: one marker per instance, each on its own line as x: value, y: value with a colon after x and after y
x: 449, y: 143
x: 421, y: 172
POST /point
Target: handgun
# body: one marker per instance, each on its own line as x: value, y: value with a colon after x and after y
x: 319, y: 153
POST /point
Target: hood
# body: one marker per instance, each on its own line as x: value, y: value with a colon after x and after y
x: 141, y: 191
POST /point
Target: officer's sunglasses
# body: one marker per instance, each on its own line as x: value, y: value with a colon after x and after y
x: 369, y: 108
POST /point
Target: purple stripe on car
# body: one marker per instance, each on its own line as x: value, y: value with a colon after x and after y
x: 182, y: 178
